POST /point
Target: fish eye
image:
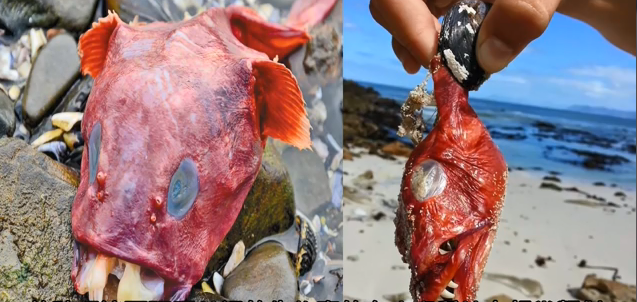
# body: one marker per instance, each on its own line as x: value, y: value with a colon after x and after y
x: 94, y: 143
x: 183, y: 189
x: 428, y: 180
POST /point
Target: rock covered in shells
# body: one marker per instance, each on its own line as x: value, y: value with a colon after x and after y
x: 36, y: 194
x: 7, y: 118
x: 266, y: 274
x: 54, y: 70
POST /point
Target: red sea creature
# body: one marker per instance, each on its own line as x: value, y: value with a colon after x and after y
x: 175, y: 128
x: 454, y: 183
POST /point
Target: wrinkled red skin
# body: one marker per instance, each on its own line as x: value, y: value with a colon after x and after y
x: 167, y: 92
x: 468, y: 208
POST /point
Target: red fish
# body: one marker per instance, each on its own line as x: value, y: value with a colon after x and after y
x: 175, y: 128
x: 451, y: 196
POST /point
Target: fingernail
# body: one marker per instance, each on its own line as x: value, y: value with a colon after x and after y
x: 494, y: 55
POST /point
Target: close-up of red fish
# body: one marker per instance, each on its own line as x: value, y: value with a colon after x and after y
x: 175, y: 128
x: 454, y: 183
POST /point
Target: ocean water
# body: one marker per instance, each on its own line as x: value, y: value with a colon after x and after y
x: 534, y: 152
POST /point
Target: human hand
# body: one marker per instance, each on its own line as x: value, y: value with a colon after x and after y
x: 507, y: 29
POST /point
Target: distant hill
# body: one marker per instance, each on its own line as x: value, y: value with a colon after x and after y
x: 603, y: 111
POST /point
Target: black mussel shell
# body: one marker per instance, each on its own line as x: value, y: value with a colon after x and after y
x: 308, y: 246
x: 457, y: 42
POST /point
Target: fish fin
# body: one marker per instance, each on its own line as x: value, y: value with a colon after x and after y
x: 280, y: 105
x: 270, y: 38
x: 93, y: 45
x: 307, y: 13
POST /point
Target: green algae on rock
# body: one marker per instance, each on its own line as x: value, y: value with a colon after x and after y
x: 268, y: 209
x: 36, y: 194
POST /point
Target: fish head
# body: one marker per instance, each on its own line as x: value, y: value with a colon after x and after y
x: 171, y: 151
x: 447, y: 218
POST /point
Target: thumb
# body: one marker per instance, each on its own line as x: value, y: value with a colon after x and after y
x: 508, y: 28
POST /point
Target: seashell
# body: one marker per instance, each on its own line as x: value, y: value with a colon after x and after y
x: 206, y: 288
x: 24, y: 69
x: 73, y: 139
x: 55, y: 150
x: 306, y: 287
x: 47, y: 137
x: 308, y: 246
x: 66, y: 120
x: 14, y: 92
x: 238, y: 254
x: 217, y: 281
x: 38, y: 39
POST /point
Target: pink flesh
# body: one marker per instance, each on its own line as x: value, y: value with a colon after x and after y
x: 169, y: 92
x: 467, y: 209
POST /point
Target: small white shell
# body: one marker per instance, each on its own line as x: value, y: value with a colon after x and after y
x: 238, y: 254
x: 217, y: 282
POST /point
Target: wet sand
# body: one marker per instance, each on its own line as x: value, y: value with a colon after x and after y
x: 534, y: 222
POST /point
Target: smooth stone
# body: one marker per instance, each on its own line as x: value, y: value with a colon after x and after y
x: 36, y: 194
x: 54, y: 71
x: 309, y: 178
x: 268, y: 209
x: 74, y: 15
x: 7, y: 118
x: 266, y: 274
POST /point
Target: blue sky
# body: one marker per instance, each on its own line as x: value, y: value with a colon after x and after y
x: 570, y: 64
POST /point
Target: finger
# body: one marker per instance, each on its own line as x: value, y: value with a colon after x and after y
x: 409, y: 62
x: 509, y: 27
x: 410, y: 22
x: 378, y: 17
x: 440, y: 7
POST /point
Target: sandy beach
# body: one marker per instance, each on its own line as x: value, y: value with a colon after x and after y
x: 535, y: 222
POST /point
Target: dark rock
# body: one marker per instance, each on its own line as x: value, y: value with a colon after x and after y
x: 552, y: 186
x: 7, y: 118
x: 596, y: 289
x: 352, y: 258
x: 73, y: 15
x: 599, y: 184
x: 630, y: 148
x: 509, y: 136
x: 620, y: 194
x: 17, y: 16
x: 397, y: 148
x: 379, y: 215
x: 367, y: 175
x: 582, y: 263
x: 551, y: 178
x: 612, y: 204
x: 268, y: 209
x: 555, y: 173
x: 368, y: 120
x: 544, y: 126
x: 309, y: 179
x: 587, y: 159
x: 53, y: 72
x: 541, y: 261
x: 36, y: 194
x: 347, y: 155
x: 266, y: 274
x: 197, y: 295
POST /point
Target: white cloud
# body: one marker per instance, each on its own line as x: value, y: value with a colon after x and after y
x: 509, y: 78
x: 349, y: 25
x: 591, y: 88
x: 617, y: 76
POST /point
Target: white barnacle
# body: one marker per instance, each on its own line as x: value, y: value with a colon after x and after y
x: 459, y: 23
x: 470, y: 29
x: 459, y: 71
x: 469, y: 9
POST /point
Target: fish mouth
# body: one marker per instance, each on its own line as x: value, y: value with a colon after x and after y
x: 457, y: 269
x: 92, y: 270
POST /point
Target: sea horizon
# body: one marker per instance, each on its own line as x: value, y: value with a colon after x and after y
x: 621, y: 114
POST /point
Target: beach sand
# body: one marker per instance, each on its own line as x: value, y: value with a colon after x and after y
x: 534, y: 222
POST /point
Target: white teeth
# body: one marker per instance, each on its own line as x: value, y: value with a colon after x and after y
x: 442, y: 252
x: 98, y: 276
x: 446, y: 294
x: 452, y: 284
x: 131, y: 286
